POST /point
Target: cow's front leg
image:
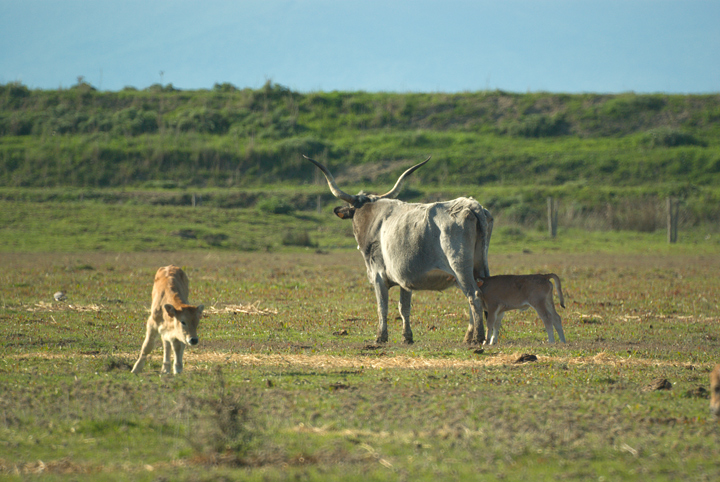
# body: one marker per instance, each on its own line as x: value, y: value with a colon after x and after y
x: 404, y: 305
x: 167, y: 350
x: 381, y: 293
x: 147, y: 347
x: 178, y: 350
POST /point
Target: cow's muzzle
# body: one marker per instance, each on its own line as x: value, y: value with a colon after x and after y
x: 194, y: 340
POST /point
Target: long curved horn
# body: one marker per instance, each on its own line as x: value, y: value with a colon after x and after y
x: 396, y: 189
x: 348, y: 198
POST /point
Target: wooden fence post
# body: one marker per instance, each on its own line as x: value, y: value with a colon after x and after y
x: 552, y: 217
x: 673, y: 208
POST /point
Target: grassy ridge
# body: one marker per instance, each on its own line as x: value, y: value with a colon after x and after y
x: 226, y: 136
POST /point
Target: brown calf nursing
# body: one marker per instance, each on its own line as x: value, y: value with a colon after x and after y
x: 519, y: 292
x: 171, y: 317
x: 715, y: 391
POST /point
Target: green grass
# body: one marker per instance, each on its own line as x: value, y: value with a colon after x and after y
x: 135, y: 221
x: 284, y: 396
x: 222, y: 137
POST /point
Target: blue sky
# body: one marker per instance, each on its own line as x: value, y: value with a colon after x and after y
x: 389, y: 45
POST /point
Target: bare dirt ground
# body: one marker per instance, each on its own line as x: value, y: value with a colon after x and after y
x: 375, y: 361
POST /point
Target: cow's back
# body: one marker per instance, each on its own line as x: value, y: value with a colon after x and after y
x: 171, y: 286
x: 409, y: 243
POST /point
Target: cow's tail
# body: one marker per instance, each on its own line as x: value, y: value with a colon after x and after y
x: 558, y: 286
x: 484, y: 226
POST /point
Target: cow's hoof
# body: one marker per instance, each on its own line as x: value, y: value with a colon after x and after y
x: 408, y: 341
x: 381, y: 339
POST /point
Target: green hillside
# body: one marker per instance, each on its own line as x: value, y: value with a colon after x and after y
x: 163, y: 137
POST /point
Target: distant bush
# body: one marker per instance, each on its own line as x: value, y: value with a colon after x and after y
x: 224, y: 87
x: 162, y: 88
x: 13, y: 93
x: 628, y: 105
x: 132, y: 122
x: 298, y: 238
x: 203, y: 120
x: 274, y: 205
x: 669, y: 137
x: 514, y: 233
x: 215, y: 239
x: 538, y: 125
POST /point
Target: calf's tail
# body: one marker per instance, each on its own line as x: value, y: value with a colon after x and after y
x: 558, y: 286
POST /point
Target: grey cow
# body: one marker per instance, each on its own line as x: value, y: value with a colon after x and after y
x: 419, y: 247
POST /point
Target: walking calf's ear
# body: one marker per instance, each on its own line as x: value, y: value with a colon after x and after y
x: 344, y: 212
x: 170, y: 310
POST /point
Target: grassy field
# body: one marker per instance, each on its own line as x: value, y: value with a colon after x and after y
x: 114, y: 221
x: 287, y: 383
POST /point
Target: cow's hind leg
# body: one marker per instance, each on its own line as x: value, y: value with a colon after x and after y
x: 463, y: 272
x: 381, y: 293
x: 147, y: 347
x: 404, y: 306
x: 476, y: 330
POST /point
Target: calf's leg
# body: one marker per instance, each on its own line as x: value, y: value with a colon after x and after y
x: 494, y: 322
x: 556, y: 321
x: 547, y: 319
x: 167, y: 349
x: 178, y: 350
x: 147, y: 346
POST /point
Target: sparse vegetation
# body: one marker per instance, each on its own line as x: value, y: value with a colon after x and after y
x: 281, y: 395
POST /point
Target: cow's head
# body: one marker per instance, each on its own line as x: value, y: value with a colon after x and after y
x: 359, y: 200
x: 184, y: 322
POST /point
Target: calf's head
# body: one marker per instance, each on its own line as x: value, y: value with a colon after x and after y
x: 184, y: 322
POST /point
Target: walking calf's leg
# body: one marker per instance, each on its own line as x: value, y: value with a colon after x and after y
x: 147, y: 346
x: 178, y: 350
x: 167, y: 363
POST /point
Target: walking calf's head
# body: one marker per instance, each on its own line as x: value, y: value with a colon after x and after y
x: 184, y: 322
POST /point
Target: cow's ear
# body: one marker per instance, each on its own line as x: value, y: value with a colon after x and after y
x: 170, y: 310
x: 344, y: 212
